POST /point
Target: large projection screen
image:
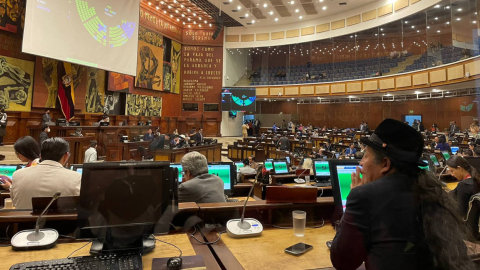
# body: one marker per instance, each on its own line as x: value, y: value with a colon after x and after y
x: 95, y: 33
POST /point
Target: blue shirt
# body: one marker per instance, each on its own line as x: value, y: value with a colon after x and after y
x: 443, y: 146
x: 350, y: 151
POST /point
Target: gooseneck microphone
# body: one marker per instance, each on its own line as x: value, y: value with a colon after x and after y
x: 246, y: 227
x: 37, y: 238
x: 298, y: 179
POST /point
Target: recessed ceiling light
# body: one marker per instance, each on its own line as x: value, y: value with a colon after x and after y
x: 169, y: 7
x: 205, y: 22
x: 188, y: 9
x: 199, y: 25
x: 381, y: 29
x: 292, y: 2
x: 178, y: 19
x: 210, y: 24
x: 271, y: 12
x: 458, y: 19
x: 188, y: 19
x: 428, y: 27
x: 246, y: 15
x: 459, y: 9
x: 438, y: 31
x: 253, y: 21
x: 301, y: 17
x: 157, y: 7
x: 183, y: 15
x: 436, y: 18
x: 383, y: 34
x: 447, y: 22
x: 418, y: 31
x: 150, y: 3
x: 183, y: 23
x: 163, y: 3
x: 436, y: 90
x: 413, y: 26
x: 418, y: 92
x: 176, y: 11
x: 447, y: 7
x: 276, y: 19
x: 437, y: 6
x: 194, y: 22
x: 297, y: 10
x: 474, y: 22
x: 165, y: 11
x: 194, y: 14
x: 406, y: 22
x: 239, y: 8
x: 189, y: 26
x: 448, y: 92
x: 324, y: 8
x: 350, y: 96
x: 265, y: 5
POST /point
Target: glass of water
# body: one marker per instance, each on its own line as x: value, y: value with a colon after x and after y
x: 299, y: 221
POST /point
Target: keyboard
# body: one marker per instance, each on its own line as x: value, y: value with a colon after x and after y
x: 126, y: 261
x: 323, y: 184
x: 232, y: 200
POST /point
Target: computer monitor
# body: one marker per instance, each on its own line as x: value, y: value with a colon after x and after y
x: 104, y: 124
x: 321, y: 169
x: 77, y: 167
x: 226, y: 171
x: 268, y: 165
x: 239, y: 166
x: 446, y: 155
x: 434, y: 160
x: 123, y: 203
x: 341, y: 175
x: 280, y: 167
x: 8, y: 170
x: 179, y: 168
x: 454, y: 149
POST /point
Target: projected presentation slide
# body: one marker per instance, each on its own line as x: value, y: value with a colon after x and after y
x: 95, y: 33
x: 280, y: 167
x: 222, y: 171
x: 239, y: 99
x: 179, y: 167
x: 345, y: 181
x: 322, y: 168
x: 8, y: 170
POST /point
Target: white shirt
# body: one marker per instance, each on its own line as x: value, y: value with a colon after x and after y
x: 43, y: 180
x: 244, y: 170
x: 90, y: 155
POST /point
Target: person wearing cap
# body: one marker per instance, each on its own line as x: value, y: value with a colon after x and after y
x: 397, y: 215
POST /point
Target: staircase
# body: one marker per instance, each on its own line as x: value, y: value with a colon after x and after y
x: 403, y: 65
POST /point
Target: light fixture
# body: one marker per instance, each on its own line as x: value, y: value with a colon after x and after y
x: 271, y: 12
x: 447, y: 22
x: 183, y: 23
x: 149, y: 3
x: 276, y: 19
x: 199, y: 25
x: 447, y: 7
x: 165, y: 11
x: 210, y: 24
x: 297, y: 10
x: 205, y: 22
x: 324, y: 8
x: 239, y: 8
x: 292, y: 2
x: 194, y: 22
x: 406, y: 22
x: 230, y: 1
x: 194, y: 14
x: 418, y: 31
x: 459, y: 9
x: 188, y: 9
x: 381, y: 29
x: 189, y: 26
x: 200, y: 18
x: 436, y: 90
x: 188, y: 19
x: 413, y: 26
x: 169, y: 7
x: 253, y: 21
x: 301, y: 17
x: 265, y: 5
x: 157, y: 7
x: 182, y: 6
x: 474, y: 22
x: 437, y: 6
x: 458, y: 19
x: 176, y: 11
x: 183, y: 15
x: 438, y: 31
x: 418, y: 92
x: 350, y: 96
x: 428, y: 27
x: 436, y: 18
x: 246, y: 15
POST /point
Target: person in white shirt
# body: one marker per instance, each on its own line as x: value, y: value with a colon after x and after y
x: 46, y: 178
x: 245, y: 170
x: 91, y: 153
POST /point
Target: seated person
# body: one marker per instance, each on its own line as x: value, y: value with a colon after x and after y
x: 47, y: 177
x: 469, y: 182
x: 105, y: 119
x: 251, y: 162
x: 91, y: 153
x: 159, y: 142
x: 198, y: 185
x: 351, y: 150
x: 442, y: 145
x: 328, y: 146
x: 245, y: 170
x: 148, y: 136
x: 43, y: 134
x: 27, y: 150
x: 78, y: 133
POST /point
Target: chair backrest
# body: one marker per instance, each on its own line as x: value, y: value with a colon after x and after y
x: 473, y: 216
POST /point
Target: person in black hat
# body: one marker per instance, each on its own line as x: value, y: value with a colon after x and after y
x: 398, y: 216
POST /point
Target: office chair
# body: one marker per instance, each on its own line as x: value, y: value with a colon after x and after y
x: 473, y: 216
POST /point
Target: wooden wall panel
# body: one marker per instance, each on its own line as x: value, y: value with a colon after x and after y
x: 274, y: 91
x: 262, y: 91
x: 473, y: 68
x: 387, y: 9
x: 248, y: 38
x: 338, y: 88
x: 420, y: 79
x: 369, y: 15
x: 323, y: 27
x: 404, y: 81
x: 278, y: 35
x: 232, y: 38
x: 455, y: 72
x: 291, y: 91
x: 338, y: 24
x: 293, y: 33
x: 354, y: 87
x: 387, y: 84
x: 401, y: 4
x: 263, y: 36
x: 307, y: 90
x: 308, y: 31
x: 354, y: 20
x: 322, y: 89
x: 438, y: 76
x: 370, y: 86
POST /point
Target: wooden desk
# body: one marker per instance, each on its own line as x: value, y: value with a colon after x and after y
x: 213, y: 152
x: 238, y: 153
x: 267, y: 250
x: 61, y: 251
x: 452, y: 185
x: 78, y: 146
x: 117, y: 151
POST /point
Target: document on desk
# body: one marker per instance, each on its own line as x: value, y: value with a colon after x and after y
x: 188, y: 263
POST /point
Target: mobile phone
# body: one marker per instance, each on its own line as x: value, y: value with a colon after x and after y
x: 298, y: 249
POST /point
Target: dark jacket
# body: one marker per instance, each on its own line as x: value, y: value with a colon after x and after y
x: 382, y: 228
x: 328, y: 148
x: 462, y: 193
x: 148, y: 137
x: 205, y: 188
x: 284, y: 144
x: 158, y: 143
x: 46, y: 118
x: 43, y: 137
x: 443, y: 147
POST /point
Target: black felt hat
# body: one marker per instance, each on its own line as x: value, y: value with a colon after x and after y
x: 398, y: 141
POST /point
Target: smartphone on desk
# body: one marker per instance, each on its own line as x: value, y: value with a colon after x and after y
x: 298, y: 249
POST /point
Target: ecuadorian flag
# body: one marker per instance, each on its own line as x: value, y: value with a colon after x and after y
x: 65, y: 90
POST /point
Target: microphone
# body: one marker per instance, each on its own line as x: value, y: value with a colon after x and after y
x: 299, y: 180
x: 246, y: 227
x: 36, y: 239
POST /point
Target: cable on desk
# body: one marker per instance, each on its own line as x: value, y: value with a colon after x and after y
x: 206, y: 243
x: 321, y: 193
x: 311, y: 227
x: 68, y: 257
x: 156, y: 239
x: 68, y: 236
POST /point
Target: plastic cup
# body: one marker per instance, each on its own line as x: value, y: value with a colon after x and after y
x: 299, y: 221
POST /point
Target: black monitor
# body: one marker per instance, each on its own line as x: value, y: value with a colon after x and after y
x: 321, y: 169
x: 123, y: 203
x: 227, y: 172
x: 341, y: 176
x: 474, y: 162
x: 104, y: 124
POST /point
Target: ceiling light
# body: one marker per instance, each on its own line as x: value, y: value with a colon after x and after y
x: 210, y: 24
x: 436, y: 18
x: 188, y: 19
x: 436, y: 90
x: 292, y: 2
x: 157, y: 7
x: 189, y: 26
x: 176, y: 11
x: 459, y: 9
x: 413, y: 26
x: 194, y: 22
x: 474, y: 22
x: 182, y: 6
x: 438, y: 31
x: 276, y: 19
x: 297, y: 10
x: 388, y: 95
x: 381, y: 29
x: 205, y: 22
x: 246, y: 15
x: 265, y: 5
x: 150, y: 3
x: 301, y: 17
x: 199, y: 25
x: 406, y: 22
x: 230, y: 1
x: 171, y: 16
x: 194, y: 14
x: 437, y: 6
x: 458, y: 19
x: 183, y: 23
x: 178, y: 20
x: 447, y: 7
x: 169, y: 7
x: 447, y: 22
x: 383, y: 34
x: 253, y: 21
x: 271, y: 12
x: 165, y: 11
x: 200, y: 18
x: 448, y: 92
x: 163, y: 3
x: 324, y: 8
x: 428, y: 27
x: 239, y: 8
x: 418, y: 31
x: 183, y: 15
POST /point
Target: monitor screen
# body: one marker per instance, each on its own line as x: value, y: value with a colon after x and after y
x: 434, y: 160
x: 238, y: 99
x: 280, y: 166
x: 321, y: 168
x: 268, y: 165
x: 341, y: 171
x: 179, y: 167
x: 8, y: 170
x: 239, y: 165
x: 424, y: 167
x: 446, y: 155
x: 120, y: 202
x: 454, y: 149
x: 222, y: 171
x: 79, y: 170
